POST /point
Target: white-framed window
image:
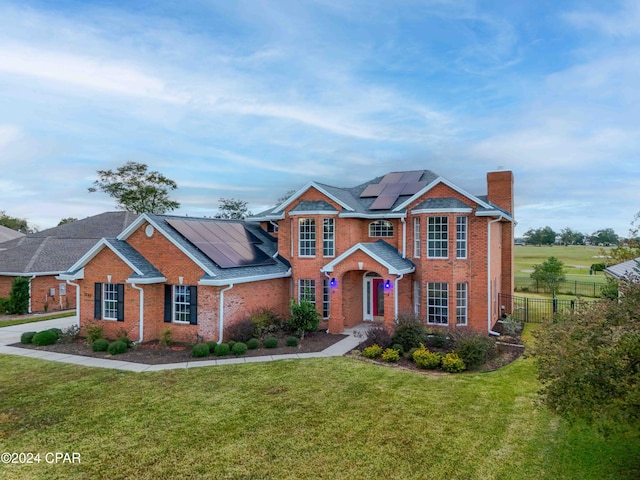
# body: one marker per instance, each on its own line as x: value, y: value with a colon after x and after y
x: 381, y: 228
x: 328, y: 237
x: 307, y: 237
x: 462, y: 303
x: 307, y: 290
x: 326, y: 298
x: 416, y: 298
x: 438, y: 303
x: 416, y: 237
x: 181, y: 304
x: 438, y: 237
x: 461, y: 237
x: 110, y: 301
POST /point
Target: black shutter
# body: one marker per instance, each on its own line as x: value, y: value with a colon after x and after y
x: 97, y: 301
x: 193, y: 305
x: 120, y: 315
x: 168, y: 302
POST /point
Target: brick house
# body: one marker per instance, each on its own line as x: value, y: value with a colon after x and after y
x: 41, y: 256
x: 405, y: 243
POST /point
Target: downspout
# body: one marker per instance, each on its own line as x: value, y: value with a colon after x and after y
x: 69, y: 282
x: 395, y: 294
x: 404, y: 238
x: 30, y: 278
x: 141, y: 323
x: 489, y: 298
x: 221, y: 312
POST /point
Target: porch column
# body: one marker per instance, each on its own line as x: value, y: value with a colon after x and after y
x: 336, y: 315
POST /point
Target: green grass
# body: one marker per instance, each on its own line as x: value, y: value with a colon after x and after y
x: 318, y: 419
x: 32, y: 319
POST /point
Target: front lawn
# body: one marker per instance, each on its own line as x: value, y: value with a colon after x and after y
x: 318, y: 418
x: 10, y: 320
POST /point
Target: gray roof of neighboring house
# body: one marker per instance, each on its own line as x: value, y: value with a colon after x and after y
x: 624, y: 269
x: 56, y: 249
x: 7, y: 234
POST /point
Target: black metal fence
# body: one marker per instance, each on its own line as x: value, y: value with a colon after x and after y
x: 572, y: 287
x: 536, y: 310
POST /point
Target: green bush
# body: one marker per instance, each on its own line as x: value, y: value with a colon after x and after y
x: 231, y: 343
x: 474, y: 348
x: 292, y: 342
x: 5, y: 306
x: 378, y: 335
x: 424, y: 358
x: 27, y: 337
x: 100, y: 345
x: 265, y: 321
x: 240, y: 331
x: 373, y: 351
x: 270, y: 342
x: 409, y: 332
x: 239, y: 348
x: 437, y: 339
x: 69, y: 334
x: 200, y: 350
x: 45, y: 337
x: 399, y: 348
x: 117, y: 347
x: 253, y: 343
x: 511, y: 327
x: 304, y: 317
x: 452, y: 363
x: 94, y: 332
x: 411, y: 352
x: 19, y: 296
x: 166, y: 337
x: 221, y: 350
x: 57, y: 331
x: 212, y: 346
x: 391, y: 355
x: 123, y: 336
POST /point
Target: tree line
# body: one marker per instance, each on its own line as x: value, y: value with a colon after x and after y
x: 568, y: 236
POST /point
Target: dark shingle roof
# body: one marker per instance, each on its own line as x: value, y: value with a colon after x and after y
x: 146, y: 269
x: 57, y: 249
x: 441, y: 204
x: 313, y: 206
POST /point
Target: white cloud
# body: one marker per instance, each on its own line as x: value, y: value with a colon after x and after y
x: 624, y: 22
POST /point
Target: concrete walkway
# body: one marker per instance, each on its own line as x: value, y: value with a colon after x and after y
x: 9, y: 335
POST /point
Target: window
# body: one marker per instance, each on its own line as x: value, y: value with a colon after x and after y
x: 461, y: 237
x: 328, y: 237
x: 326, y: 299
x: 438, y: 237
x: 272, y: 227
x: 109, y: 301
x: 307, y: 237
x: 438, y: 303
x: 307, y: 290
x: 416, y: 298
x: 381, y: 228
x: 461, y: 304
x: 181, y: 304
x: 416, y: 237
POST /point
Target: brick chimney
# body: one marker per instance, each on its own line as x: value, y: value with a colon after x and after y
x: 500, y: 189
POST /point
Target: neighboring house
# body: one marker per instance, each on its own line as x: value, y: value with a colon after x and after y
x: 406, y: 243
x: 625, y: 270
x: 41, y: 256
x: 7, y: 234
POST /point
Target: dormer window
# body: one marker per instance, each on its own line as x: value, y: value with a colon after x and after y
x: 381, y: 228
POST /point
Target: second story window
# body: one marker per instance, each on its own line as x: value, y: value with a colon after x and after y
x: 328, y: 237
x: 461, y: 237
x: 416, y: 237
x: 381, y: 228
x: 307, y: 237
x: 438, y: 237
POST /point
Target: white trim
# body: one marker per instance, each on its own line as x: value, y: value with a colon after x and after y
x: 328, y: 268
x: 221, y: 312
x: 436, y: 182
x: 96, y: 249
x: 146, y: 281
x: 373, y: 216
x: 265, y: 218
x: 299, y: 193
x: 253, y: 278
x: 141, y: 322
x: 29, y: 274
x: 494, y: 213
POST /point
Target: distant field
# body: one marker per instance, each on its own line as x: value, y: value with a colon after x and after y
x: 576, y: 258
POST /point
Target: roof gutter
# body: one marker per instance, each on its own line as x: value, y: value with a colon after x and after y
x: 69, y: 282
x: 489, y: 298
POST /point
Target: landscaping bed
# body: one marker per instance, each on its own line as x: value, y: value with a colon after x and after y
x: 153, y: 353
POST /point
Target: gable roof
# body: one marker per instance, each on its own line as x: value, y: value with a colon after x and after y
x: 56, y: 249
x: 380, y: 251
x: 7, y: 234
x: 357, y: 206
x: 624, y: 269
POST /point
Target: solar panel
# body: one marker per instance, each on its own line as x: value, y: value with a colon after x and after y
x: 384, y: 202
x: 227, y: 244
x: 409, y: 177
x: 392, y: 177
x: 372, y: 190
x: 412, y: 188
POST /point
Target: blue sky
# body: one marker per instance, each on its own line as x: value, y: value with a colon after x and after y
x: 252, y: 98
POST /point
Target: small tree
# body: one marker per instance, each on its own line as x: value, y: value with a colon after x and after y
x: 19, y: 296
x: 14, y: 223
x: 304, y: 317
x: 549, y: 273
x: 232, y: 208
x: 136, y: 189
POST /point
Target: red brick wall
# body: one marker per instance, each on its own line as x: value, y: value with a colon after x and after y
x: 40, y: 293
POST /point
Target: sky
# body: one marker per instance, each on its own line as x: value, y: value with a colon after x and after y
x: 250, y: 99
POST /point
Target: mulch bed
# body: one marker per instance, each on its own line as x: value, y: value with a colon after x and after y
x: 152, y: 353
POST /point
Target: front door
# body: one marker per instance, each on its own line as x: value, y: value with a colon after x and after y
x: 373, y: 297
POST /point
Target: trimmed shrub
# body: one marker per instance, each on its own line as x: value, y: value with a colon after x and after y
x: 212, y: 346
x: 100, y: 345
x: 253, y: 343
x: 231, y: 343
x: 373, y: 351
x: 474, y: 348
x: 200, y: 350
x: 437, y: 339
x: 221, y: 350
x: 424, y: 358
x: 378, y: 335
x: 117, y: 347
x: 391, y: 355
x: 241, y: 331
x: 398, y: 348
x: 452, y: 363
x: 45, y: 337
x: 411, y: 352
x: 239, y: 348
x: 123, y: 336
x: 57, y: 331
x: 94, y: 332
x: 292, y: 342
x: 27, y: 337
x: 409, y: 332
x: 270, y: 342
x: 166, y: 337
